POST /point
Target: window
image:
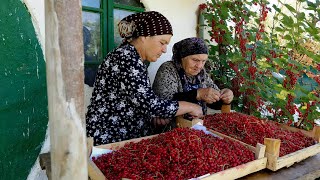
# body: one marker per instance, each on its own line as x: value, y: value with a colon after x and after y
x: 100, y: 33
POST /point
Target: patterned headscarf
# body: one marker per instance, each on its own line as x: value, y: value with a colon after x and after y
x: 149, y: 23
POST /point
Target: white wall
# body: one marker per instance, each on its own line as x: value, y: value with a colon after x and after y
x: 36, y: 9
x: 183, y: 17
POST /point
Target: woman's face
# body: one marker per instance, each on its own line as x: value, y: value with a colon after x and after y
x: 154, y: 46
x: 193, y: 64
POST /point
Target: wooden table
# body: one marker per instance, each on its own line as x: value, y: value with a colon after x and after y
x: 308, y: 169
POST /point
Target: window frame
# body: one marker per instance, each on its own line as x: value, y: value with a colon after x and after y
x: 107, y: 25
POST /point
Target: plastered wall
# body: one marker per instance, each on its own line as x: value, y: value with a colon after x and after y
x: 183, y: 17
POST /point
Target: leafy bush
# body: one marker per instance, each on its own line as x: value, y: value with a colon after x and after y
x: 266, y: 59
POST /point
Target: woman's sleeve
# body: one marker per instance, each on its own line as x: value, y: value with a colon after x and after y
x: 190, y: 96
x: 209, y: 82
x: 166, y: 84
x: 166, y: 81
x: 215, y: 105
x: 137, y: 87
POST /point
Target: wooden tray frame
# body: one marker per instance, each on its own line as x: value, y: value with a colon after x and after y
x: 273, y: 149
x: 181, y: 122
x: 232, y: 173
x: 275, y: 162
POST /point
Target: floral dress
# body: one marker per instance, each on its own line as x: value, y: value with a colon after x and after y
x: 123, y: 102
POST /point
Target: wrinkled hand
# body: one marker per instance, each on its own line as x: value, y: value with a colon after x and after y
x: 196, y: 111
x: 226, y: 96
x: 160, y: 121
x: 209, y: 95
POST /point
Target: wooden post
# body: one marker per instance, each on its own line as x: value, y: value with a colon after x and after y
x: 260, y: 151
x: 272, y: 152
x: 272, y: 146
x: 316, y: 133
x: 65, y: 80
x: 225, y: 108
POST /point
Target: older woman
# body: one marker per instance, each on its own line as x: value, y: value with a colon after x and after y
x: 184, y: 78
x: 123, y: 102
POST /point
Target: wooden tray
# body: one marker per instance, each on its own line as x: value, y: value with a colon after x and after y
x: 273, y: 149
x: 181, y: 122
x: 275, y: 162
x: 232, y: 173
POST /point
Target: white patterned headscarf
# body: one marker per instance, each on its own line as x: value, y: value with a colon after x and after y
x: 150, y: 23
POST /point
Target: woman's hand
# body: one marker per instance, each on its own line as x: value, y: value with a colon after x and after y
x: 193, y: 109
x: 226, y: 96
x: 209, y: 95
x: 196, y: 111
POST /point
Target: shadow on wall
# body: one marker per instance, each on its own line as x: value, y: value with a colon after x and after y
x: 87, y: 95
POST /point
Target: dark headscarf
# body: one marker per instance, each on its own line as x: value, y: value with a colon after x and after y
x: 149, y: 23
x: 187, y: 47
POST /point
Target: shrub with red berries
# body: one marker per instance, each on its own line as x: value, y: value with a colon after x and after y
x: 248, y: 46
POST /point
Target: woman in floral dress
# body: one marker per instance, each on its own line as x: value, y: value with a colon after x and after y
x: 123, y: 102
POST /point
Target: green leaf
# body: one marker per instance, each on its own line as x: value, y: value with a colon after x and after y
x: 306, y: 92
x: 309, y: 126
x: 290, y: 46
x: 279, y: 29
x: 290, y: 8
x: 311, y: 4
x: 287, y: 37
x: 312, y: 30
x: 301, y: 16
x: 224, y: 12
x: 247, y: 19
x: 276, y: 8
x: 264, y: 64
x: 288, y: 21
